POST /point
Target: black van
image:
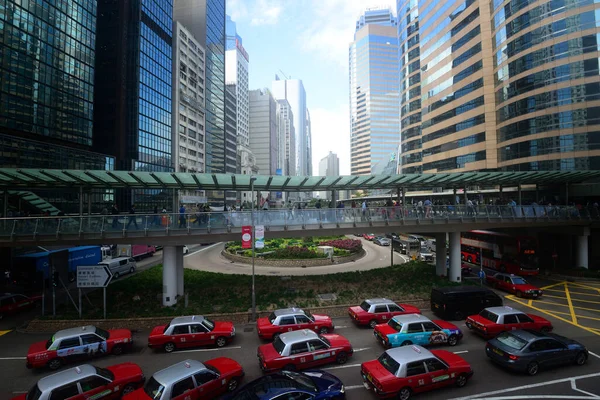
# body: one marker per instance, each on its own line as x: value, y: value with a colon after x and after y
x: 458, y: 302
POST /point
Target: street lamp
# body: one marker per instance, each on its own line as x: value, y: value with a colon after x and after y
x: 252, y: 179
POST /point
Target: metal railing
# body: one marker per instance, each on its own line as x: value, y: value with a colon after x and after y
x: 205, y: 222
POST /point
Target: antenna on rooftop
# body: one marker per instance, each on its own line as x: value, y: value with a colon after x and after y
x: 284, y: 75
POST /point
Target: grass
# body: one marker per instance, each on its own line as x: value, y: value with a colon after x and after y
x: 211, y: 292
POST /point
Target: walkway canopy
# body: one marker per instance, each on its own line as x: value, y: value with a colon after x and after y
x: 11, y: 178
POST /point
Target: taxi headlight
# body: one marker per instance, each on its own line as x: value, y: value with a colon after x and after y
x: 343, y: 389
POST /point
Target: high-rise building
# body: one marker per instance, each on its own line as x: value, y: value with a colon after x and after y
x: 206, y: 21
x: 504, y: 87
x: 374, y: 97
x: 263, y: 131
x: 293, y: 91
x: 309, y: 168
x: 47, y: 71
x: 132, y: 104
x: 329, y: 166
x: 236, y: 72
x: 231, y: 152
x: 286, y: 138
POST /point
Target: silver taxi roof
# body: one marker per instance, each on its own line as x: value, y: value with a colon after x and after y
x: 503, y: 310
x: 66, y: 333
x: 187, y: 319
x: 507, y: 274
x: 288, y: 311
x: 66, y: 376
x: 406, y: 354
x: 408, y: 318
x: 381, y: 300
x: 177, y: 371
x: 298, y: 336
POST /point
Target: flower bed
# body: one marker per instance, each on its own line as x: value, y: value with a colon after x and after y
x: 352, y: 245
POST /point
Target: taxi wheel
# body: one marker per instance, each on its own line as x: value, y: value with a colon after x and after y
x: 232, y: 385
x: 116, y: 275
x: 372, y: 324
x: 221, y: 341
x: 128, y: 389
x: 406, y: 343
x: 341, y: 358
x: 55, y: 364
x: 533, y: 368
x: 581, y: 358
x: 461, y: 380
x: 404, y: 394
x: 169, y: 347
x: 131, y: 270
x: 323, y: 330
x: 452, y: 340
x: 289, y: 367
x: 117, y: 350
x: 468, y: 324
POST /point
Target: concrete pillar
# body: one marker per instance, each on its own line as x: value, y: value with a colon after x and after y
x: 170, y: 275
x: 582, y: 249
x: 537, y: 193
x: 334, y: 197
x: 455, y: 270
x: 440, y: 254
x: 81, y: 201
x: 179, y: 254
x: 500, y: 195
x: 398, y: 195
x: 519, y: 195
x: 567, y: 194
x: 466, y: 195
x: 403, y: 197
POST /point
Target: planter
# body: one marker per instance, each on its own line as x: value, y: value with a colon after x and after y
x: 309, y: 262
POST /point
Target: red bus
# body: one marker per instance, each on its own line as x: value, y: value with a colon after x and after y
x: 505, y: 253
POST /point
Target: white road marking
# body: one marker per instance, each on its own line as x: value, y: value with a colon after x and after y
x: 343, y: 366
x: 361, y: 349
x: 341, y: 327
x: 13, y: 358
x: 543, y: 396
x: 534, y: 385
x: 461, y: 352
x: 574, y: 387
x: 202, y: 350
x: 352, y: 387
x: 198, y: 251
x: 594, y: 354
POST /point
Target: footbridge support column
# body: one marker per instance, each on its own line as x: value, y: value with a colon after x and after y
x: 179, y: 269
x: 455, y: 270
x: 440, y: 254
x: 582, y: 249
x: 169, y: 297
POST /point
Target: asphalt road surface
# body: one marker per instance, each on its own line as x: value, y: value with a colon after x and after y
x: 489, y: 381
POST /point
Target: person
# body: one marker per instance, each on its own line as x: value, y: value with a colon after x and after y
x: 427, y: 205
x: 182, y: 216
x: 132, y: 217
x: 481, y: 276
x: 115, y: 212
x: 290, y: 207
x: 363, y: 208
x: 155, y: 219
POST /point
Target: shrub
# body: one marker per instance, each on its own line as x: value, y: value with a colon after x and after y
x: 352, y: 245
x: 294, y: 253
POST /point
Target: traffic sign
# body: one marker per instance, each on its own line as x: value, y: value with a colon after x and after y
x: 89, y: 276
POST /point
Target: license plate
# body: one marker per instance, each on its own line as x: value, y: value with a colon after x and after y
x: 535, y: 295
x: 499, y: 352
x: 436, y: 305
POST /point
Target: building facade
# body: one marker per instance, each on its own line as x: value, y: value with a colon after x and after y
x: 231, y: 151
x: 308, y: 158
x: 286, y: 138
x: 329, y: 166
x: 236, y: 72
x: 374, y: 92
x: 263, y: 131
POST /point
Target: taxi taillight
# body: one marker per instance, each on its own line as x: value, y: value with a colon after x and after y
x: 512, y: 357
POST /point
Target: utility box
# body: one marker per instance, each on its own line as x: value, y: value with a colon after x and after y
x: 327, y: 250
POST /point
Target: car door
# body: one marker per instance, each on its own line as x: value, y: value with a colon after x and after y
x: 438, y: 373
x: 97, y: 387
x: 22, y: 302
x: 70, y: 391
x: 200, y: 336
x: 208, y: 384
x: 511, y: 323
x: 508, y: 285
x: 184, y: 389
x: 525, y: 321
x: 70, y: 349
x: 320, y: 352
x: 434, y: 334
x: 8, y: 305
x: 93, y: 344
x: 395, y: 309
x: 303, y: 322
x: 181, y: 336
x: 381, y: 313
x: 415, y: 333
x: 287, y: 324
x: 560, y: 354
x: 417, y: 376
x: 547, y: 354
x: 300, y: 356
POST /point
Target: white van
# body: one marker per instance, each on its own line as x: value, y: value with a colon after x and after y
x: 120, y: 265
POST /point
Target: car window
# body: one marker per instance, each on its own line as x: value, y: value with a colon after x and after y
x: 65, y: 392
x: 394, y: 307
x: 507, y: 280
x: 511, y: 341
x: 204, y: 377
x: 7, y: 302
x: 433, y: 364
x: 287, y: 321
x: 380, y: 309
x: 414, y: 328
x: 510, y: 319
x: 182, y: 386
x: 547, y: 344
x: 92, y: 382
x: 430, y: 327
x: 90, y: 339
x: 20, y: 297
x: 68, y: 343
x: 415, y: 368
x: 315, y: 345
x: 298, y: 348
x: 131, y: 260
x: 197, y: 328
x: 302, y: 319
x: 181, y: 330
x: 122, y: 262
x: 524, y: 318
x: 490, y: 316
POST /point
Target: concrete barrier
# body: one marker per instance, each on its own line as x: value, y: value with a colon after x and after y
x: 309, y: 262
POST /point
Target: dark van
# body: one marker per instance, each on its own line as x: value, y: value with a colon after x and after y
x: 458, y: 302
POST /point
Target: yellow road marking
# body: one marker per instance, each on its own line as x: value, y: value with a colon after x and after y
x: 585, y: 286
x: 572, y: 292
x: 573, y: 316
x: 563, y: 305
x: 554, y: 284
x: 2, y: 333
x: 585, y: 301
x: 578, y: 316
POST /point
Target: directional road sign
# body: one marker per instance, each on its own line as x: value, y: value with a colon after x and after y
x: 89, y: 276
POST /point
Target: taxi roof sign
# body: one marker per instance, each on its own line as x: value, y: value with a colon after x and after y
x: 415, y: 348
x: 187, y: 365
x: 78, y: 370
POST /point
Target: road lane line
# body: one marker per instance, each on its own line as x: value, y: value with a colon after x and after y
x: 352, y: 387
x: 554, y: 284
x: 572, y: 292
x: 202, y: 350
x: 594, y: 354
x: 585, y: 286
x: 13, y: 358
x: 461, y: 352
x: 574, y: 387
x: 570, y: 303
x: 525, y: 387
x: 361, y: 349
x: 583, y: 301
x: 205, y: 248
x: 341, y: 327
x: 342, y: 366
x: 2, y: 333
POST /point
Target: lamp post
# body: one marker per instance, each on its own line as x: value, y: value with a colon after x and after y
x: 252, y: 179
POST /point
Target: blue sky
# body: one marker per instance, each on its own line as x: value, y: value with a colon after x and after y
x: 308, y: 40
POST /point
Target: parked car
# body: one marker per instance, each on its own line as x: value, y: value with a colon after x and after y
x: 292, y: 319
x: 513, y: 284
x: 191, y: 331
x: 376, y: 311
x: 191, y: 379
x: 407, y: 370
x: 528, y: 351
x: 456, y: 302
x: 120, y: 266
x: 310, y: 385
x: 77, y: 343
x: 382, y: 241
x: 11, y: 304
x: 494, y: 320
x: 303, y: 349
x: 425, y: 255
x: 89, y: 382
x: 404, y: 330
x: 369, y: 236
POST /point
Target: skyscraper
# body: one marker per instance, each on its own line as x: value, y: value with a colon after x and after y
x: 286, y: 138
x: 236, y: 72
x: 329, y: 166
x: 293, y: 91
x: 230, y: 136
x: 374, y: 97
x: 308, y: 158
x: 263, y: 131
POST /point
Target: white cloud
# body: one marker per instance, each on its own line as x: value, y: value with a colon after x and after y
x: 258, y: 12
x: 330, y: 130
x: 237, y: 9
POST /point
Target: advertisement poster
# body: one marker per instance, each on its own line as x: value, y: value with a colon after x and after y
x: 246, y: 237
x: 259, y: 231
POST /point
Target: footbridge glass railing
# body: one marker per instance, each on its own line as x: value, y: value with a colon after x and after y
x: 232, y: 221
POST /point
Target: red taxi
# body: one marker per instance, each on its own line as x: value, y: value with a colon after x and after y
x: 191, y: 331
x: 379, y: 311
x: 76, y: 344
x: 303, y: 349
x: 405, y: 370
x: 514, y: 284
x: 291, y: 319
x: 87, y: 382
x: 492, y: 321
x: 369, y: 236
x: 191, y: 380
x: 13, y: 303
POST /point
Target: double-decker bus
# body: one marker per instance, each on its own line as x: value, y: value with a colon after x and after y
x: 512, y: 254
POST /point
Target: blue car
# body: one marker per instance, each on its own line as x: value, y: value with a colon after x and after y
x: 403, y: 330
x: 308, y: 385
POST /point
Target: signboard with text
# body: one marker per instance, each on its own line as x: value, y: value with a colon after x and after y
x: 259, y: 231
x: 246, y: 237
x: 89, y: 276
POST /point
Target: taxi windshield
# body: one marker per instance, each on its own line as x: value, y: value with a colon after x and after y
x: 397, y: 326
x: 166, y: 327
x: 102, y: 333
x: 365, y: 306
x: 154, y: 389
x: 105, y: 373
x: 210, y: 325
x: 388, y: 363
x: 272, y: 317
x: 34, y: 393
x: 511, y: 341
x: 327, y: 342
x: 278, y: 345
x: 309, y: 315
x: 302, y: 381
x: 49, y: 342
x: 519, y: 281
x: 490, y: 316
